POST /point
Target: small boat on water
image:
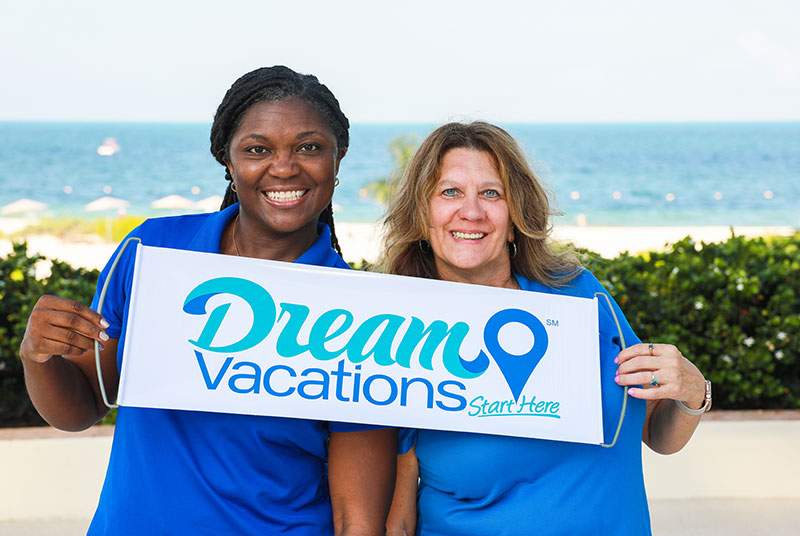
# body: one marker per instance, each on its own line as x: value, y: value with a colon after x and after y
x: 109, y: 147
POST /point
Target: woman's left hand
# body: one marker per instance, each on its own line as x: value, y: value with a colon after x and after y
x: 662, y: 371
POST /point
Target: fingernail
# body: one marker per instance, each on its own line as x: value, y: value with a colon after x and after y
x: 616, y: 360
x: 103, y: 335
x: 616, y: 379
x: 104, y: 323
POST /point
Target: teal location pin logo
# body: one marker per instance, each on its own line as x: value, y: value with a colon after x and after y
x: 516, y: 369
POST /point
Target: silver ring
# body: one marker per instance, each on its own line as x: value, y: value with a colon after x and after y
x: 653, y: 380
x: 651, y: 347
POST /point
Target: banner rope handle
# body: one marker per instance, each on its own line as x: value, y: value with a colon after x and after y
x: 100, y: 301
x: 625, y: 389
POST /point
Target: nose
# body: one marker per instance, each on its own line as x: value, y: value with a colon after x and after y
x: 283, y: 165
x: 471, y: 208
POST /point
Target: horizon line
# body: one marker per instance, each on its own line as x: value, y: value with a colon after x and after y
x: 424, y: 123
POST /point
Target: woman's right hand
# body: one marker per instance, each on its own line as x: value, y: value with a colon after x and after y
x: 58, y: 326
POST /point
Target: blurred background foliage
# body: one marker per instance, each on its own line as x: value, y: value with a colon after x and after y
x: 112, y: 229
x: 402, y: 149
x: 733, y: 308
x: 19, y: 291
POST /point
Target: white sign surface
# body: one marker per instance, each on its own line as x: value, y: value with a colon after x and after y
x: 229, y: 334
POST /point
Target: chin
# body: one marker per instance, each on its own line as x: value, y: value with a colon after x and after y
x: 468, y: 264
x: 288, y: 226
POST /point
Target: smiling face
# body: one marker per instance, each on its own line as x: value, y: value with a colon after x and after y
x: 470, y: 226
x: 283, y: 158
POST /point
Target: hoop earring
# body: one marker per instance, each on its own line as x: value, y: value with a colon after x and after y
x: 512, y: 246
x: 233, y: 187
x: 336, y: 182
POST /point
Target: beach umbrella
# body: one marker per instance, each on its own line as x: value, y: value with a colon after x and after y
x: 106, y: 203
x: 22, y: 206
x: 209, y: 204
x: 172, y: 202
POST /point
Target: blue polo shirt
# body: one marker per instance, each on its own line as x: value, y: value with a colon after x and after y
x: 486, y: 485
x: 188, y: 472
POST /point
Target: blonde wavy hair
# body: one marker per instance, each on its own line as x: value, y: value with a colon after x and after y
x: 405, y: 248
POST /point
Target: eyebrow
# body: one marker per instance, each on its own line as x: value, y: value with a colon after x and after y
x: 258, y: 137
x: 483, y: 183
x: 306, y: 134
x: 299, y: 136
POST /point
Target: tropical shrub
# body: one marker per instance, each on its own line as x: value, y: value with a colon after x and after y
x: 732, y: 307
x: 19, y: 291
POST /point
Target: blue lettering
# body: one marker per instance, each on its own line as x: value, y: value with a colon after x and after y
x: 254, y: 378
x: 321, y: 333
x: 392, y: 389
x: 268, y: 377
x: 212, y: 385
x: 462, y: 402
x: 322, y: 384
x: 406, y: 382
x: 382, y: 350
x: 259, y: 300
x: 475, y: 404
x: 340, y: 374
x: 356, y: 383
x: 287, y: 345
x: 434, y: 334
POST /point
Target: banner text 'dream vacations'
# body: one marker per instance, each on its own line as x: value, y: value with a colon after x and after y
x: 330, y: 344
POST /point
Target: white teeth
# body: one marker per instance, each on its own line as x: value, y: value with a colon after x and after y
x: 286, y: 196
x: 468, y: 236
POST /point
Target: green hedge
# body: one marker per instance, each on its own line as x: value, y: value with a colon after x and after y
x: 19, y: 290
x: 733, y: 308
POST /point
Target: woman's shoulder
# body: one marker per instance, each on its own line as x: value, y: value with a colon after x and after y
x: 582, y: 284
x: 166, y: 230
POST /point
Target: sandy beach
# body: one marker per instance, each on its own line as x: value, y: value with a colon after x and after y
x: 362, y: 240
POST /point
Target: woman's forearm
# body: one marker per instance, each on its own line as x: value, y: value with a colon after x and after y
x: 57, y: 352
x: 61, y: 394
x: 402, y: 520
x: 661, y: 375
x: 361, y: 469
x: 669, y: 428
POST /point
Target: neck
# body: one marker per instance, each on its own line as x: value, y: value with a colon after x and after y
x: 244, y: 237
x: 490, y: 277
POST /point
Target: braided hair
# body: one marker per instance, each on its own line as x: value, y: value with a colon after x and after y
x: 275, y: 84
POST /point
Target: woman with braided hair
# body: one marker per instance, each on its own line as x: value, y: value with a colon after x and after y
x: 280, y: 136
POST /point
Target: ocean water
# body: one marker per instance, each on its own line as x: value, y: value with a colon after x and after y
x: 618, y: 174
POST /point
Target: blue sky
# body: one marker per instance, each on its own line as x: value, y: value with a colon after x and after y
x: 417, y: 61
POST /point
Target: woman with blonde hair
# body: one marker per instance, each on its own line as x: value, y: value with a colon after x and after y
x: 470, y: 209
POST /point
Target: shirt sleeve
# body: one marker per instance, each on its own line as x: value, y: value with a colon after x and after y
x: 353, y: 427
x: 406, y: 439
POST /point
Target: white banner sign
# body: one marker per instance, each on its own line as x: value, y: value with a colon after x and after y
x: 237, y: 335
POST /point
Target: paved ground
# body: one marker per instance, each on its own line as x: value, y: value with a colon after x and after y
x: 707, y: 517
x: 728, y: 517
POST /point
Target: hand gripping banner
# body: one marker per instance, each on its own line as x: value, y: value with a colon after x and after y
x: 218, y: 333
